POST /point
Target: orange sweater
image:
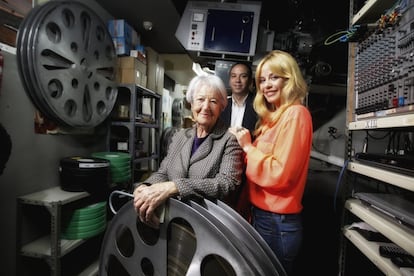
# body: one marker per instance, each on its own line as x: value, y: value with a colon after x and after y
x: 277, y: 164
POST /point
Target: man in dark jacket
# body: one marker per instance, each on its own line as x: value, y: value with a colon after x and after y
x: 239, y: 111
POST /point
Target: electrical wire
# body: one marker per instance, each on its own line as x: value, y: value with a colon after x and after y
x: 339, y: 182
x: 341, y: 36
x: 119, y: 193
x: 390, y: 17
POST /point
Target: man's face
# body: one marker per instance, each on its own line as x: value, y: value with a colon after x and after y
x: 239, y: 79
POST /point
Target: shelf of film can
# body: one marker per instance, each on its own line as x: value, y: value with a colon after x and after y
x: 50, y: 246
x: 406, y: 120
x: 396, y: 179
x: 371, y: 251
x: 397, y: 233
x: 135, y: 124
x: 145, y: 91
x: 42, y: 247
x: 54, y: 195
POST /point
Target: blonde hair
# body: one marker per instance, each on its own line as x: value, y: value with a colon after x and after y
x: 295, y: 88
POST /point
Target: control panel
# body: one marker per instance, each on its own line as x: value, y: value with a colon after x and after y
x: 197, y: 30
x: 384, y: 64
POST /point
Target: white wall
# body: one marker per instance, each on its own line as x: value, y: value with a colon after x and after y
x: 330, y: 147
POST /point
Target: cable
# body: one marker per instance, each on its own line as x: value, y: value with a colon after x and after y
x: 339, y: 181
x: 365, y: 146
x: 391, y: 17
x: 341, y: 36
x: 117, y: 192
x: 345, y: 35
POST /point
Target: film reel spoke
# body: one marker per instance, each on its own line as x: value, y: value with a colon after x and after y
x: 67, y: 62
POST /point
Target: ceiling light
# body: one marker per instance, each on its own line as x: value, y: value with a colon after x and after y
x: 147, y: 25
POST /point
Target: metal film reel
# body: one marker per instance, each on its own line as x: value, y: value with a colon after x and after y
x: 244, y: 231
x: 66, y: 60
x: 195, y: 239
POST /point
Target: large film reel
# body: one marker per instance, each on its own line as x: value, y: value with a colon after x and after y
x: 203, y: 238
x: 66, y: 60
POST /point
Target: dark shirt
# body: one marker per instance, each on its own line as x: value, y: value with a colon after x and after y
x: 197, y: 143
x: 249, y: 118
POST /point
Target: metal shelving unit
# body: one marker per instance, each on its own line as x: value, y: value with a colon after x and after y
x: 397, y: 233
x: 361, y: 176
x: 48, y: 246
x: 139, y: 133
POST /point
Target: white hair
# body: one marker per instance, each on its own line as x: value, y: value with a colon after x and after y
x: 211, y: 81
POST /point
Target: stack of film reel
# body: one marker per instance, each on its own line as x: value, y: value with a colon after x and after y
x: 120, y: 165
x: 84, y: 174
x: 85, y: 222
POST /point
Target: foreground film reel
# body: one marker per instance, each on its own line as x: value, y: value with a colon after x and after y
x: 195, y: 239
x: 66, y: 60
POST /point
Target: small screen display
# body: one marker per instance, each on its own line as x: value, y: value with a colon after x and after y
x: 198, y: 17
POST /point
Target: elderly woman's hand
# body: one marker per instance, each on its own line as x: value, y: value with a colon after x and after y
x: 148, y: 198
x: 243, y: 137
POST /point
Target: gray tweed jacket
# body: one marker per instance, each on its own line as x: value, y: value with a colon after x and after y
x: 213, y: 171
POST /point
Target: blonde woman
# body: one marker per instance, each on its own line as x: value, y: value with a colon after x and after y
x: 277, y: 160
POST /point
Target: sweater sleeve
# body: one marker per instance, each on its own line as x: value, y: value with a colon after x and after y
x: 280, y: 154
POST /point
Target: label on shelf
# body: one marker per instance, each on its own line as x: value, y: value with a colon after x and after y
x: 122, y: 146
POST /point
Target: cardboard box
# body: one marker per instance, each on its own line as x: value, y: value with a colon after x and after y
x: 131, y: 76
x: 139, y: 55
x: 155, y: 71
x: 132, y: 62
x: 131, y: 70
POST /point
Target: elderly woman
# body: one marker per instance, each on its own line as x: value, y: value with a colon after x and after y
x: 202, y: 161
